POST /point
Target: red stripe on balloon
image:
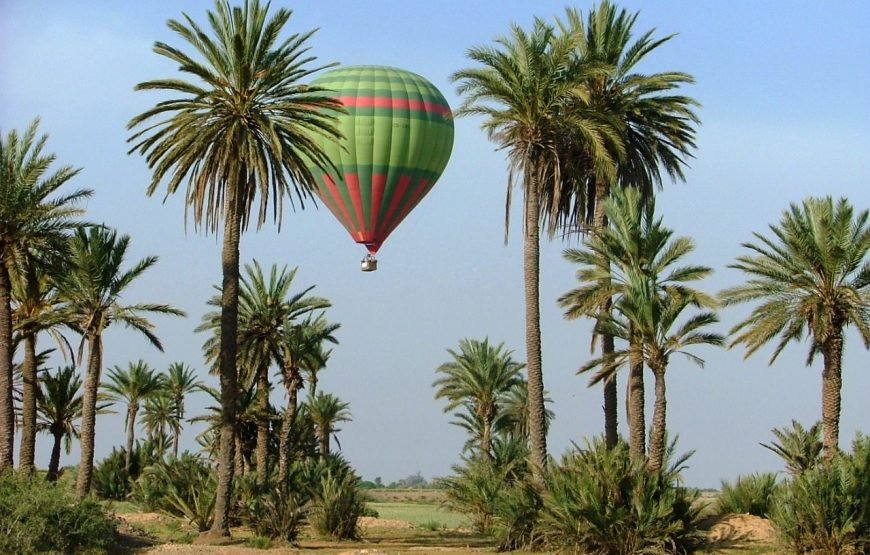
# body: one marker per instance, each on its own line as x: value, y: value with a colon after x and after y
x: 401, y: 187
x: 394, y: 103
x: 422, y: 189
x: 379, y: 182
x: 340, y: 210
x: 351, y: 179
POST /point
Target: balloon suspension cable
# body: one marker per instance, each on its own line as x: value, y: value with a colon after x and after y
x: 369, y: 263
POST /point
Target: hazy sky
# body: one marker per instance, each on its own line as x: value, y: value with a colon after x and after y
x: 784, y: 87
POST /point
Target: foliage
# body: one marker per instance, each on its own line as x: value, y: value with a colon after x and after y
x: 111, y: 480
x: 751, y: 494
x: 825, y: 509
x: 600, y: 501
x: 183, y: 487
x: 800, y: 448
x: 276, y: 513
x: 37, y: 516
x: 337, y: 504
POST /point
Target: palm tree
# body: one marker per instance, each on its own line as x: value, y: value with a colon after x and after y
x: 35, y: 310
x: 59, y: 405
x: 131, y: 386
x: 32, y: 217
x: 302, y: 349
x: 513, y: 417
x: 92, y: 289
x: 811, y: 277
x: 653, y: 316
x: 326, y: 411
x: 521, y: 88
x: 266, y: 308
x: 179, y: 382
x: 158, y: 417
x: 655, y: 130
x: 478, y: 379
x: 799, y: 447
x: 243, y: 127
x: 635, y: 253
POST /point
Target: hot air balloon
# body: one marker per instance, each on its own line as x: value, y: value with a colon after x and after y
x: 398, y: 135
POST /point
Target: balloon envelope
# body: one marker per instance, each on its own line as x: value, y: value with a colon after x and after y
x: 398, y: 135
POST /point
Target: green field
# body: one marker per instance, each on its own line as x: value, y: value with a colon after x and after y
x: 421, y: 514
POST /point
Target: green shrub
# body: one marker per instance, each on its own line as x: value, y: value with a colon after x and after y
x: 110, y: 479
x: 497, y: 494
x: 183, y: 487
x: 275, y: 514
x: 751, y: 494
x: 336, y: 506
x: 825, y: 509
x: 800, y: 448
x: 37, y: 517
x: 600, y: 501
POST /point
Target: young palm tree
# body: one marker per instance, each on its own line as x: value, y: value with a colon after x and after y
x: 654, y: 317
x: 478, y: 379
x: 35, y: 310
x: 59, y: 406
x: 92, y: 289
x: 32, y: 216
x: 241, y: 129
x: 634, y: 250
x: 513, y: 417
x: 158, y: 417
x: 179, y: 382
x: 326, y: 411
x: 812, y: 277
x: 302, y: 349
x: 799, y: 447
x: 521, y: 88
x: 266, y: 308
x: 655, y: 128
x: 137, y: 383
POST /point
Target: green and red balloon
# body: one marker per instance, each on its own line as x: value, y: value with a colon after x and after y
x: 398, y: 135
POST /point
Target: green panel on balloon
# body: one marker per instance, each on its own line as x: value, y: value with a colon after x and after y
x: 398, y: 136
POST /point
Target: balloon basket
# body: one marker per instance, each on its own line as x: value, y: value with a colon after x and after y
x: 369, y: 263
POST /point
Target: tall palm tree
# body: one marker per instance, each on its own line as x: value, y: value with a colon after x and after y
x: 35, y: 310
x: 326, y: 411
x: 32, y: 216
x: 812, y: 277
x: 302, y: 348
x: 478, y: 379
x: 133, y: 385
x: 634, y: 254
x: 655, y: 127
x: 521, y: 88
x: 243, y: 128
x: 59, y: 406
x: 179, y: 382
x: 92, y: 290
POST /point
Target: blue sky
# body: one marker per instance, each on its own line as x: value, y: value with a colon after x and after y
x: 786, y: 110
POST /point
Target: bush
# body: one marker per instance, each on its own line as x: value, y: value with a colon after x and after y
x: 751, y: 494
x: 37, y: 516
x: 600, y: 501
x: 183, y: 487
x: 497, y: 494
x: 275, y: 514
x: 336, y: 501
x: 110, y: 479
x: 825, y: 509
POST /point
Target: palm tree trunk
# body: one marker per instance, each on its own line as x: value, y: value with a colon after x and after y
x: 323, y: 439
x: 7, y: 411
x: 28, y: 405
x: 486, y: 440
x: 637, y: 422
x: 291, y: 381
x: 239, y: 457
x: 89, y: 414
x: 179, y: 416
x: 531, y: 276
x: 228, y: 350
x: 657, y: 435
x: 611, y: 400
x: 832, y: 383
x: 131, y: 427
x: 262, y: 423
x: 54, y: 461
